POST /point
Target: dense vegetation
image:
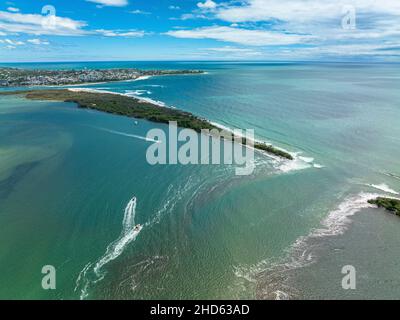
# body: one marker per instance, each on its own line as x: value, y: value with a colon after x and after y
x: 393, y: 205
x: 132, y: 107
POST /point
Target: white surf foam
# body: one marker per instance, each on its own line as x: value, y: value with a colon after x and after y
x: 383, y: 187
x: 293, y: 165
x: 283, y: 165
x: 142, y: 78
x: 145, y: 99
x: 92, y: 90
x: 138, y: 92
x: 223, y: 127
x: 301, y: 254
x: 129, y: 94
x: 338, y: 220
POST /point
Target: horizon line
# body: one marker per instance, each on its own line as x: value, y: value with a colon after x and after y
x: 204, y: 61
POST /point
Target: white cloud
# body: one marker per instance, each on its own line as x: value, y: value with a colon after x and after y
x: 316, y: 25
x: 174, y: 8
x: 348, y: 50
x: 303, y: 10
x: 38, y: 42
x: 320, y: 18
x: 242, y: 36
x: 207, y: 5
x: 111, y: 3
x: 12, y: 42
x: 13, y: 9
x: 190, y: 16
x: 204, y: 10
x: 139, y: 12
x: 35, y: 24
x: 230, y: 49
x: 120, y: 33
x: 234, y: 51
x: 38, y: 24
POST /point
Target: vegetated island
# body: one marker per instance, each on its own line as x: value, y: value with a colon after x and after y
x: 136, y: 108
x: 16, y: 77
x: 392, y: 205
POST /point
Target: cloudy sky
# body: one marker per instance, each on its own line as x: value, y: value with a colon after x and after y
x: 327, y: 30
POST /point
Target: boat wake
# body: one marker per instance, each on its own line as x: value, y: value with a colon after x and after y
x: 92, y: 272
x: 129, y: 135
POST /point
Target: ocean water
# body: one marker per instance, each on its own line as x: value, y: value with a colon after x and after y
x: 73, y: 183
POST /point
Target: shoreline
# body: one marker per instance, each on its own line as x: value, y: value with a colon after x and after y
x: 144, y: 100
x: 140, y: 78
x: 17, y: 77
x: 78, y: 84
x: 135, y: 107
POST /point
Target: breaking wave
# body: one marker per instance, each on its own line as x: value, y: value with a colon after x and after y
x: 271, y: 278
x: 142, y: 78
x: 138, y: 92
x: 129, y: 93
x: 383, y: 187
x: 283, y: 165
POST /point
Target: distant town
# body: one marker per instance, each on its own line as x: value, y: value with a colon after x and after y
x: 15, y: 77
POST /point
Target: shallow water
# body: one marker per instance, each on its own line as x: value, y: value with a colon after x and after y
x: 67, y: 177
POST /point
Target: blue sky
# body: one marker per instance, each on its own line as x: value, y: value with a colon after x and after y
x: 81, y: 30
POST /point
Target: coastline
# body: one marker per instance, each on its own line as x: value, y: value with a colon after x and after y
x: 135, y: 107
x: 144, y: 100
x: 14, y: 77
x: 272, y: 235
x: 84, y: 83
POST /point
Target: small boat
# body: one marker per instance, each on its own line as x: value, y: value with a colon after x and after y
x: 136, y: 123
x: 138, y: 227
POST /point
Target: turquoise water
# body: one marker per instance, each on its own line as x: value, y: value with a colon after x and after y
x: 68, y: 177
